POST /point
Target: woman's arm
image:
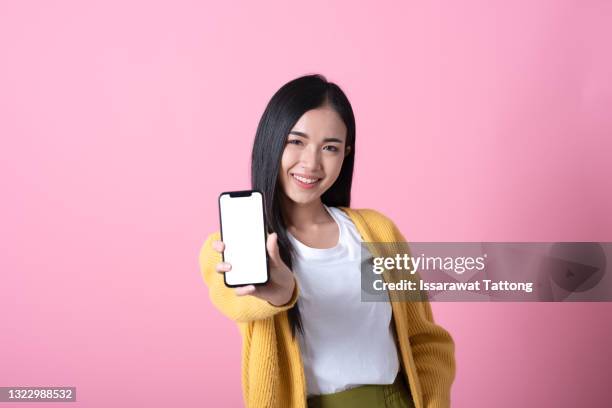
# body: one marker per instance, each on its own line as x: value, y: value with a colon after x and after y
x: 433, y: 350
x: 238, y: 308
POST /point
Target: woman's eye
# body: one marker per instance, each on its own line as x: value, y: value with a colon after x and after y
x: 332, y: 148
x: 294, y: 141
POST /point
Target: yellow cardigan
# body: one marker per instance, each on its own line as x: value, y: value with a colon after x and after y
x: 272, y: 369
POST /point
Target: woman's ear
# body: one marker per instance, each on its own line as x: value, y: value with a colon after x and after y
x: 347, y: 151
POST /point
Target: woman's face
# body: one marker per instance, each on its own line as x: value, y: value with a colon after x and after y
x: 313, y: 155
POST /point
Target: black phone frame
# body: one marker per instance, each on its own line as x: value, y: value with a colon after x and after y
x: 246, y: 193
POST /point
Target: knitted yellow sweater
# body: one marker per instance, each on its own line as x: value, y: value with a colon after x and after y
x: 272, y: 370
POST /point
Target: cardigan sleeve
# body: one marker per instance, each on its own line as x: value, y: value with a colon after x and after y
x: 433, y: 350
x: 238, y: 308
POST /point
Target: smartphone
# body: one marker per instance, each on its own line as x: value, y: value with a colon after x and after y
x: 242, y: 221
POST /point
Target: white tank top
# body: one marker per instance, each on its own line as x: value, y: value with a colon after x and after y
x: 346, y: 342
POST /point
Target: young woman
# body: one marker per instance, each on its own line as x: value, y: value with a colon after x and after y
x: 308, y: 339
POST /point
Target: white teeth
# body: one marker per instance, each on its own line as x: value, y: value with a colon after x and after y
x: 305, y: 180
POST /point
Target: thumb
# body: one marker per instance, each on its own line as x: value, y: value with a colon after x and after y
x: 273, y: 251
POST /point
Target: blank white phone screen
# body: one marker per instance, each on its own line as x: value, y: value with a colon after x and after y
x: 242, y: 226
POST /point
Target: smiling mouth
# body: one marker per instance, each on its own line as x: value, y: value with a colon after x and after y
x: 305, y: 181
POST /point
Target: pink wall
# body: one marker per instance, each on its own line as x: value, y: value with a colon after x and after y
x: 122, y: 121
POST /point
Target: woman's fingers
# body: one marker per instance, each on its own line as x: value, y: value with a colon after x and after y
x: 218, y: 246
x: 223, y: 267
x: 245, y: 290
x: 273, y: 251
x: 276, y: 264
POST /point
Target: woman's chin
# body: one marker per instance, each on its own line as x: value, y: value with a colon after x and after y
x: 304, y: 197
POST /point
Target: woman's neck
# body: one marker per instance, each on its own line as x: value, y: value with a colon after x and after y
x: 301, y: 216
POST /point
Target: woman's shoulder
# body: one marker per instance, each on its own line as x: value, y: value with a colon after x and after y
x: 376, y: 225
x: 369, y: 215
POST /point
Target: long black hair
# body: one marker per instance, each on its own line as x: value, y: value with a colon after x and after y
x: 285, y: 108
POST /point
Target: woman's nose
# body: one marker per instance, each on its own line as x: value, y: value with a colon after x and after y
x: 311, y: 158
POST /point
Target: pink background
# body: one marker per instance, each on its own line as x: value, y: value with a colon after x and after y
x: 121, y: 121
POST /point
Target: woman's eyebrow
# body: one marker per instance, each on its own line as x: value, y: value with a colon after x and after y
x: 327, y: 139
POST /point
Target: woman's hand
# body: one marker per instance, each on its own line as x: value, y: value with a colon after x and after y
x: 279, y: 289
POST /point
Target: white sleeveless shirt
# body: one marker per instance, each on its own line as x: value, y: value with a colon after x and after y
x: 346, y: 342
